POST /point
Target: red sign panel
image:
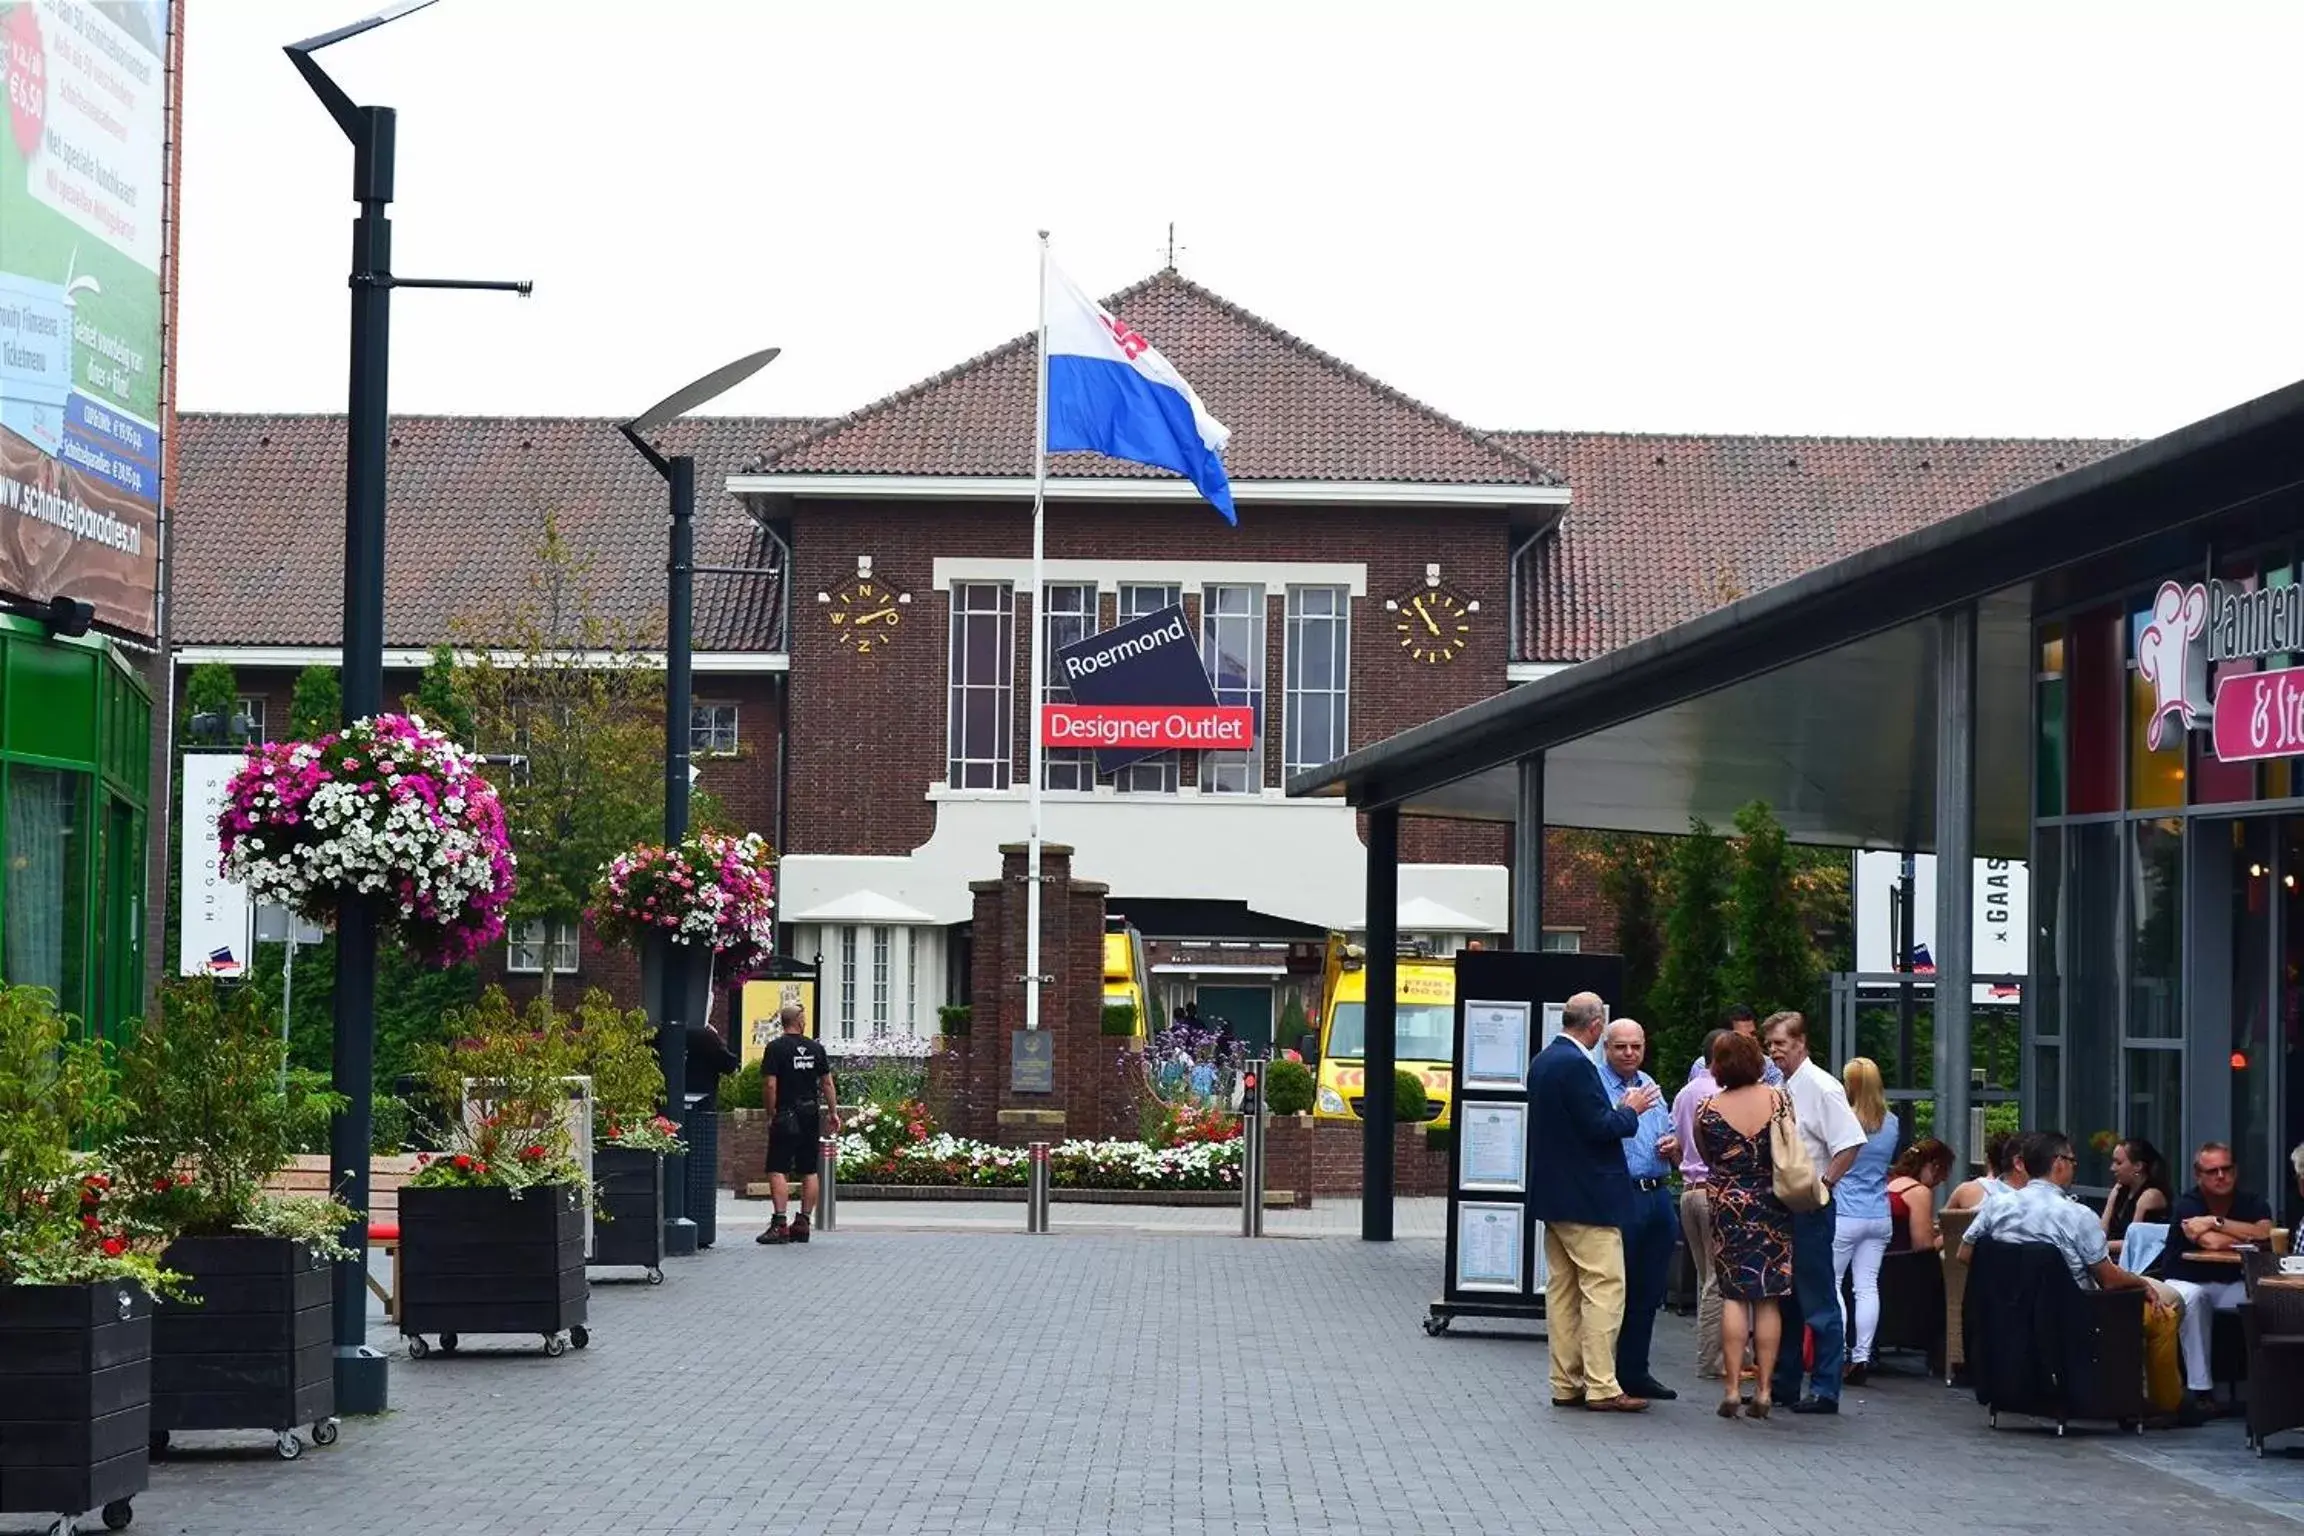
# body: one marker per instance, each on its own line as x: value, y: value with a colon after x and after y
x: 2260, y: 714
x: 1148, y: 727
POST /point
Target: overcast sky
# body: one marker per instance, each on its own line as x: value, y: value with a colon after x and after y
x: 2003, y: 218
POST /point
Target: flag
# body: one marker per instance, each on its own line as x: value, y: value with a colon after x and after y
x: 220, y: 962
x: 1923, y: 963
x: 1111, y: 392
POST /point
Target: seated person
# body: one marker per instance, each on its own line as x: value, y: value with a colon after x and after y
x: 2002, y: 1175
x: 2214, y: 1216
x: 2041, y: 1212
x: 2139, y: 1188
x: 1912, y: 1186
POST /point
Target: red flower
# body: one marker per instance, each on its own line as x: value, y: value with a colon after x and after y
x: 480, y: 1168
x: 164, y: 1184
x: 97, y: 1181
x: 113, y: 1247
x: 531, y: 1154
x: 464, y: 1161
x: 91, y: 1224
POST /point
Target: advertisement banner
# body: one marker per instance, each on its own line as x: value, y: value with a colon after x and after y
x: 1999, y: 933
x: 215, y: 914
x: 762, y: 1000
x: 83, y: 202
x: 1225, y: 727
x: 1147, y: 663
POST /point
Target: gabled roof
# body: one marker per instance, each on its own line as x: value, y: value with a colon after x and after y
x: 258, y: 509
x: 1665, y: 527
x: 1295, y: 412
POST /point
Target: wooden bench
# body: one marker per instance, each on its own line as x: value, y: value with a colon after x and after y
x: 308, y: 1175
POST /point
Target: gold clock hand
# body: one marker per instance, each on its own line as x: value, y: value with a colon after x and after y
x: 1418, y: 605
x: 877, y: 613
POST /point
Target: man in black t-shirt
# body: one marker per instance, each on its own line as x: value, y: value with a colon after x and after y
x: 2216, y: 1216
x: 796, y: 1088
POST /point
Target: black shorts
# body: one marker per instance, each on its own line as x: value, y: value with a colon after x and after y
x: 793, y: 1152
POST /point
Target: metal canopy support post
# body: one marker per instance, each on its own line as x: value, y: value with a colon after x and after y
x: 1955, y: 871
x: 1528, y: 858
x: 1383, y: 1014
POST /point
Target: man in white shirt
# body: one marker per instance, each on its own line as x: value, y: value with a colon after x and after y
x: 1833, y: 1136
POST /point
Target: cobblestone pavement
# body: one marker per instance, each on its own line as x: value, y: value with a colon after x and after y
x: 937, y: 1382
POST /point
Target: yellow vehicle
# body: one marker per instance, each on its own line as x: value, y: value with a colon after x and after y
x: 1424, y: 1039
x: 1124, y: 968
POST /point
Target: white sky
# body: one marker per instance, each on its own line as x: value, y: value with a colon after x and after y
x: 1991, y: 218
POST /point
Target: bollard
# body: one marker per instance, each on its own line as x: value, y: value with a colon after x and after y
x: 1252, y: 1150
x: 827, y: 1183
x: 1036, y: 1190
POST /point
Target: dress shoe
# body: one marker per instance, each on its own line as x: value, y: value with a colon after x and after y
x: 1575, y: 1401
x: 1652, y: 1389
x: 1622, y: 1402
x: 1856, y: 1375
x: 1817, y: 1405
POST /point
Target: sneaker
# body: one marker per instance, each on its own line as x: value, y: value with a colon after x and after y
x: 777, y: 1233
x: 799, y: 1229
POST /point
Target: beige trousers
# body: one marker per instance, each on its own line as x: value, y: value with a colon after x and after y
x: 1696, y: 1224
x: 1583, y: 1307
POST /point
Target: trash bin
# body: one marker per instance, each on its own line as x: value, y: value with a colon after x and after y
x: 703, y: 1136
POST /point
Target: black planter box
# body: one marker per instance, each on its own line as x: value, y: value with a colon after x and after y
x: 628, y: 1226
x: 253, y: 1348
x: 483, y: 1261
x: 75, y: 1397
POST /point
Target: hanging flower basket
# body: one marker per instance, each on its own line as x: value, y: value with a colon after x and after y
x: 386, y: 806
x: 709, y: 890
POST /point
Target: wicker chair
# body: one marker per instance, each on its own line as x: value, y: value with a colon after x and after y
x: 1952, y: 1226
x: 2273, y: 1321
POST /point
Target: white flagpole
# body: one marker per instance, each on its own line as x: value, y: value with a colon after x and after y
x: 1039, y: 660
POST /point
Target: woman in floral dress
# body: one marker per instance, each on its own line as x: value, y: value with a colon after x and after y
x: 1751, y: 1229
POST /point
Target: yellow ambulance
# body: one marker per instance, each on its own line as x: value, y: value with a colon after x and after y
x: 1124, y: 969
x: 1424, y: 1038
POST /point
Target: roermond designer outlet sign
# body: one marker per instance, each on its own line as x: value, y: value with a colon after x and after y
x: 1138, y: 690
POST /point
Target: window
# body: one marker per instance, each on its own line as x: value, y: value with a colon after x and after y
x: 1154, y: 775
x: 528, y: 955
x: 1318, y: 665
x: 1562, y: 941
x: 912, y: 981
x: 712, y: 730
x: 1232, y: 647
x: 251, y: 710
x: 1071, y: 611
x: 848, y: 982
x: 982, y: 725
x: 880, y: 942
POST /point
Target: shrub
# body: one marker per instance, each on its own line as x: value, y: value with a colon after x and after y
x: 1439, y: 1138
x: 1409, y: 1100
x: 955, y: 1018
x: 742, y: 1090
x: 616, y: 1048
x: 515, y: 1066
x: 1119, y: 1018
x: 1288, y: 1087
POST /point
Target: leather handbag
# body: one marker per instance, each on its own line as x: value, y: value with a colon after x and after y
x: 1796, y: 1182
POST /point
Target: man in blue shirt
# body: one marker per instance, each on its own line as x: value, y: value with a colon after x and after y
x: 1650, y: 1154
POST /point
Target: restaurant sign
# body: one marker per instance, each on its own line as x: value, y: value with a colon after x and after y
x: 2194, y: 628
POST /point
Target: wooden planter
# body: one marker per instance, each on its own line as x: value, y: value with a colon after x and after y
x: 483, y: 1261
x: 628, y: 1229
x: 75, y: 1398
x: 254, y: 1349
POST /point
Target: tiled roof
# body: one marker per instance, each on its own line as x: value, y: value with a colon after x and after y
x: 1295, y: 412
x: 1666, y: 527
x: 258, y: 507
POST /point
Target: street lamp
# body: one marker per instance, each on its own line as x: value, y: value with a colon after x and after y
x: 671, y: 1002
x: 361, y: 1383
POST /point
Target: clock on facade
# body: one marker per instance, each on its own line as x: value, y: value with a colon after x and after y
x: 866, y: 614
x: 1434, y: 624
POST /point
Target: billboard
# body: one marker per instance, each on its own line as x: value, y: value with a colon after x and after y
x: 1999, y: 933
x: 760, y: 1002
x: 1139, y: 690
x: 83, y: 213
x: 212, y: 932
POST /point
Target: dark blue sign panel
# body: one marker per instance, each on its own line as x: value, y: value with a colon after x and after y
x: 1147, y: 661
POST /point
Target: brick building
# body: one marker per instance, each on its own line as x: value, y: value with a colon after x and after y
x: 865, y: 696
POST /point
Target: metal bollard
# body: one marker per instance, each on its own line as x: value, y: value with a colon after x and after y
x: 1036, y: 1190
x: 827, y: 1183
x: 1252, y: 1151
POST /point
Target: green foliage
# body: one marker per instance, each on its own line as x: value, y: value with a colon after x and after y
x: 1409, y: 1100
x: 391, y: 1125
x: 741, y: 1089
x: 1688, y: 998
x: 955, y: 1018
x: 1288, y: 1088
x: 1439, y: 1138
x: 210, y: 688
x: 1773, y: 963
x: 1119, y: 1019
x: 441, y: 700
x: 616, y: 1048
x: 1294, y: 1026
x: 515, y: 1064
x: 412, y: 1002
x: 317, y: 705
x: 213, y: 1112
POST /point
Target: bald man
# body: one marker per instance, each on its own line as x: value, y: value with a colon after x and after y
x: 1649, y: 1153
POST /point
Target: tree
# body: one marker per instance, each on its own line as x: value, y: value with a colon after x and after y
x: 1689, y: 994
x: 553, y: 677
x: 440, y: 698
x: 317, y: 705
x: 1774, y: 964
x: 1628, y: 869
x: 412, y: 1000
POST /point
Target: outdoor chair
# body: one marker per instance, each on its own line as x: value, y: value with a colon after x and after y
x: 2039, y: 1345
x: 2272, y: 1323
x: 1952, y: 1226
x: 1912, y: 1310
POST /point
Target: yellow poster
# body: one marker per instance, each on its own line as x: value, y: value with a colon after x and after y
x: 762, y: 1001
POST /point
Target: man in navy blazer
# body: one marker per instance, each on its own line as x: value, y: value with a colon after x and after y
x: 1580, y: 1190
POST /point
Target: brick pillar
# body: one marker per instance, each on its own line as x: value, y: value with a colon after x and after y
x: 1071, y: 1002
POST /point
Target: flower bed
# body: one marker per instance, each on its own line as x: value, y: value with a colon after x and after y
x: 896, y: 1145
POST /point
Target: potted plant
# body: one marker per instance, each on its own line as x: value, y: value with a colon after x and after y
x: 614, y: 1049
x: 214, y: 1113
x: 76, y: 1280
x: 492, y: 1226
x: 710, y: 891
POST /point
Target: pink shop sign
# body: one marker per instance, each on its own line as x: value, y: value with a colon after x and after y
x: 2259, y: 715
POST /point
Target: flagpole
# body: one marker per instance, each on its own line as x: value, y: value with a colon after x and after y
x: 1039, y: 660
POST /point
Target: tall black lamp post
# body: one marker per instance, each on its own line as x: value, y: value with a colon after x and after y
x: 672, y: 960
x: 361, y: 1384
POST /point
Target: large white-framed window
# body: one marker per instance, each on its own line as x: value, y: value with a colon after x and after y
x: 848, y: 981
x: 876, y: 976
x: 1232, y: 648
x: 1154, y: 775
x: 712, y: 730
x: 882, y: 940
x: 982, y: 708
x: 1316, y: 670
x: 1069, y: 613
x: 911, y: 981
x: 526, y: 948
